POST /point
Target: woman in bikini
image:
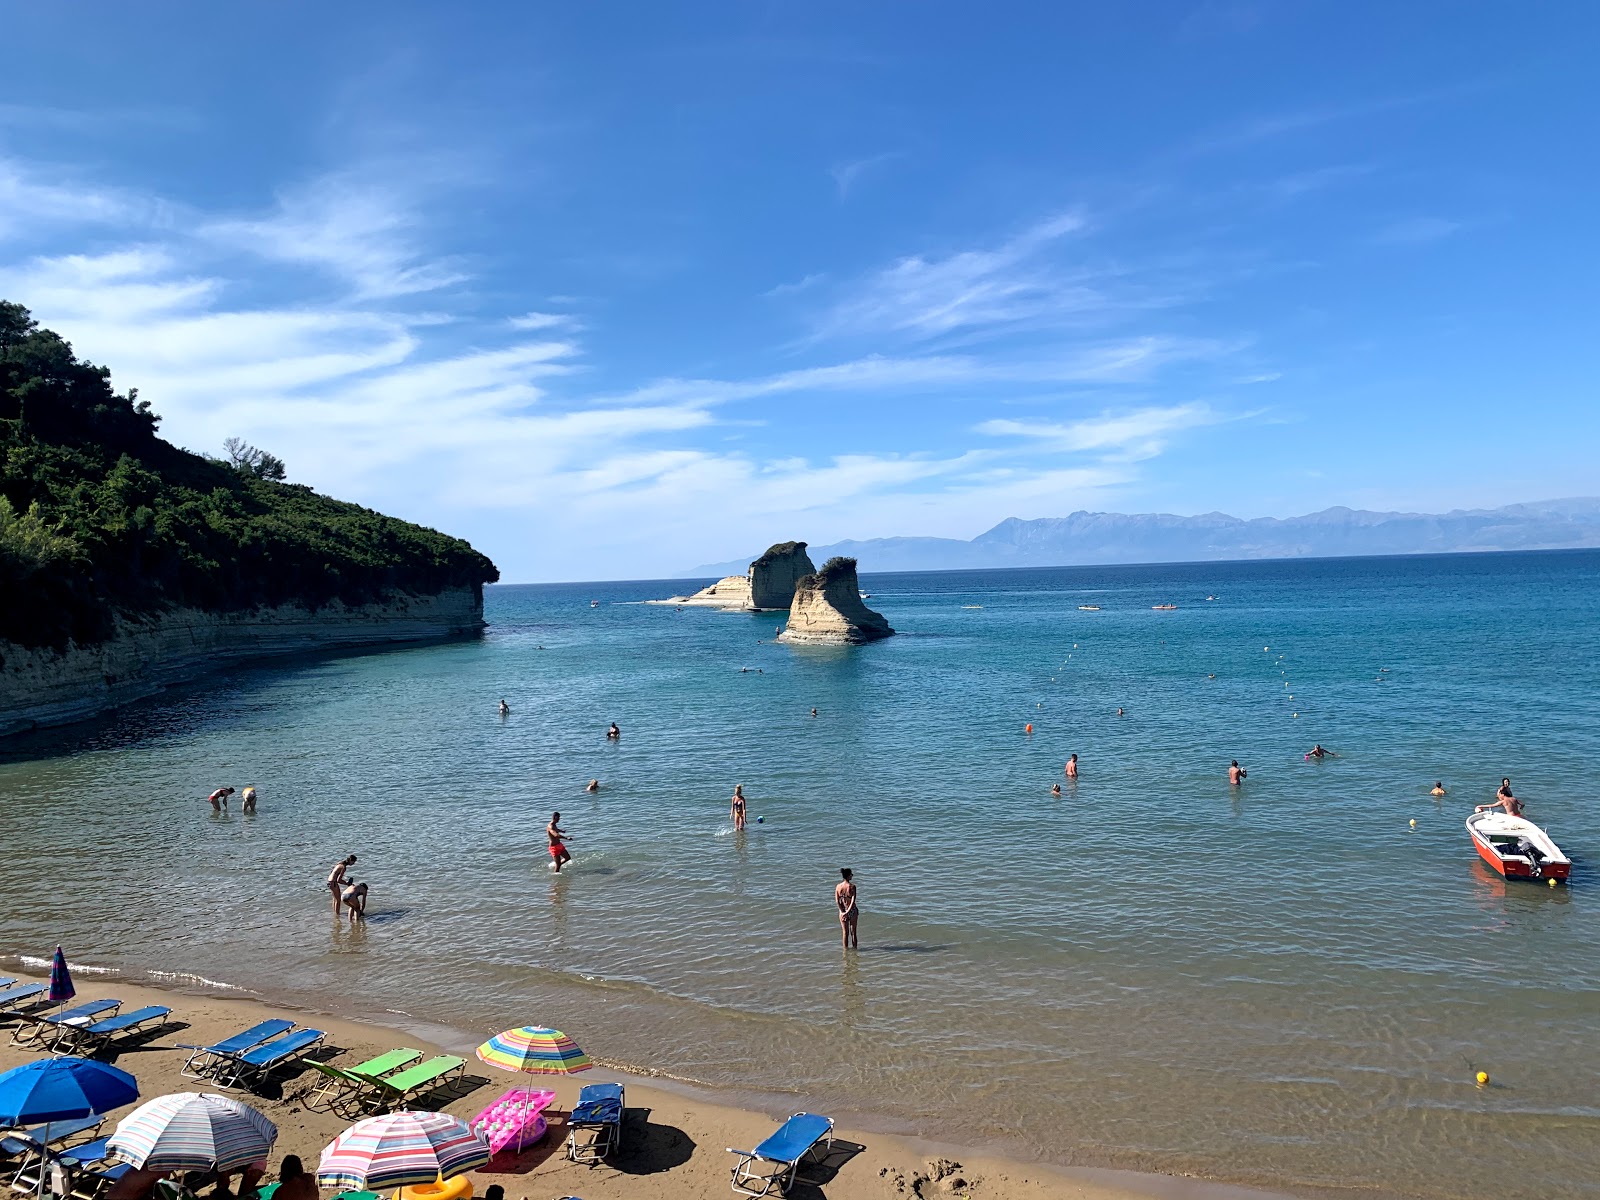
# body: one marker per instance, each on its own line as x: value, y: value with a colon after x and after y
x: 738, y: 806
x: 844, y: 895
x: 336, y: 881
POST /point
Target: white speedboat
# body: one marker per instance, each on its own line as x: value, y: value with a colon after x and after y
x: 1516, y: 847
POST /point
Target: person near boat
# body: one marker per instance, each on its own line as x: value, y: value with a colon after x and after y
x: 1438, y: 788
x: 1503, y: 799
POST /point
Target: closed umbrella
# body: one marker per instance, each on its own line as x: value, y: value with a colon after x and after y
x: 398, y: 1149
x: 192, y: 1131
x: 534, y: 1050
x: 61, y: 1089
x: 61, y: 989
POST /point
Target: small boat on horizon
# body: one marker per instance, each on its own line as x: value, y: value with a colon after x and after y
x: 1088, y: 608
x: 1164, y: 607
x: 1516, y: 847
x: 594, y: 604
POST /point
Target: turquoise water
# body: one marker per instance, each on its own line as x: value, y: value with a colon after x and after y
x: 1284, y: 984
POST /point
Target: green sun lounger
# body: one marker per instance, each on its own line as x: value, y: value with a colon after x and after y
x: 397, y: 1090
x: 340, y: 1084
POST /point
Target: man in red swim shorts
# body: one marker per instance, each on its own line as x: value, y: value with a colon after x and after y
x: 557, y: 836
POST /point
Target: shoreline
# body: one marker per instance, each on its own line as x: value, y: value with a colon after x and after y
x: 889, y: 1162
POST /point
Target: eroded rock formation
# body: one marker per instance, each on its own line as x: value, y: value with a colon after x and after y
x: 827, y: 609
x: 768, y: 584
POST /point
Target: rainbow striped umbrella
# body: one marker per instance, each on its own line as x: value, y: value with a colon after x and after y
x: 399, y: 1149
x: 192, y: 1131
x: 534, y: 1050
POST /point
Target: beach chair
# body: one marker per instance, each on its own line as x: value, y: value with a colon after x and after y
x: 7, y: 980
x: 91, y: 1039
x: 19, y: 999
x: 253, y: 1066
x: 348, y: 1083
x: 594, y: 1129
x: 400, y: 1089
x: 774, y: 1163
x: 41, y: 1027
x: 24, y: 1149
x: 203, y: 1061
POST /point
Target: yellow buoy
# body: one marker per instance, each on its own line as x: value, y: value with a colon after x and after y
x: 1483, y: 1078
x: 1413, y: 819
x: 1552, y: 883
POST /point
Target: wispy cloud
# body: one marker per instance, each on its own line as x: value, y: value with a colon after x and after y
x: 1136, y: 434
x: 847, y: 174
x: 1416, y: 230
x: 542, y: 320
x: 32, y: 200
x: 926, y: 297
x: 356, y: 229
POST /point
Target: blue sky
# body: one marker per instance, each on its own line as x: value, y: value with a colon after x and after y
x: 613, y: 289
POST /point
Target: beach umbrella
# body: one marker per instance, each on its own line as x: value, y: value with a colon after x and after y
x: 192, y: 1131
x: 534, y: 1050
x: 399, y: 1149
x: 61, y: 1089
x: 61, y: 989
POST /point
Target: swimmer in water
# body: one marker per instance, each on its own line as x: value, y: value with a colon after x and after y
x: 1119, y: 712
x: 505, y: 709
x: 219, y: 798
x: 613, y: 734
x: 813, y: 712
x: 1072, y: 766
x: 1236, y: 773
x: 354, y: 896
x: 737, y: 810
x: 1438, y: 788
x: 1318, y: 752
x: 593, y: 786
x: 1055, y: 789
x: 249, y: 798
x: 558, y: 836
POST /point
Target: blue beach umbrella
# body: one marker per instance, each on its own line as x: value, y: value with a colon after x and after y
x: 61, y: 989
x: 61, y: 1089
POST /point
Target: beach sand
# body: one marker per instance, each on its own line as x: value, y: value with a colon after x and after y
x: 674, y: 1145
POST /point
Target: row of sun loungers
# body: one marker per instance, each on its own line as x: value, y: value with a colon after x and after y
x: 247, y: 1058
x: 87, y: 1028
x: 79, y: 1171
x: 387, y: 1082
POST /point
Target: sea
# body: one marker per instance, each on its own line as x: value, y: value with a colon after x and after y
x: 1293, y: 983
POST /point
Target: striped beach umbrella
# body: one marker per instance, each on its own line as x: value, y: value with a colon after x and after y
x: 534, y: 1050
x: 399, y: 1149
x: 192, y: 1131
x: 61, y: 989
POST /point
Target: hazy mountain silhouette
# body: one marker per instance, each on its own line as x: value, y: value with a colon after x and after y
x: 1087, y: 537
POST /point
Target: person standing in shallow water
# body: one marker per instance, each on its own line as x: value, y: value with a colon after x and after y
x: 1236, y: 773
x: 737, y: 810
x: 1072, y: 766
x: 844, y: 897
x: 558, y: 848
x: 336, y: 880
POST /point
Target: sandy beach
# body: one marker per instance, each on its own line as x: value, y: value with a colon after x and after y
x: 675, y: 1145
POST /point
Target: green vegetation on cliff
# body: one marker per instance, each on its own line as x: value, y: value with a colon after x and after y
x: 98, y: 515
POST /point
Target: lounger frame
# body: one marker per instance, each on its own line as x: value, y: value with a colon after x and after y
x: 238, y: 1071
x: 34, y: 1027
x: 384, y: 1096
x: 89, y: 1040
x: 204, y: 1061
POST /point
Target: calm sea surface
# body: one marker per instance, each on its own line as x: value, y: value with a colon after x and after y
x: 1284, y: 983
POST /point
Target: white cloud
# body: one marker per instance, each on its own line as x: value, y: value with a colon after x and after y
x: 1134, y: 434
x: 357, y: 229
x: 30, y: 202
x: 971, y: 289
x: 1417, y: 230
x: 541, y: 320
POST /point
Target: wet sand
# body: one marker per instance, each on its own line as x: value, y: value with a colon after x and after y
x: 674, y: 1144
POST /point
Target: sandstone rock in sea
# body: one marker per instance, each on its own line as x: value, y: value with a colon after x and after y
x: 769, y: 583
x: 827, y: 609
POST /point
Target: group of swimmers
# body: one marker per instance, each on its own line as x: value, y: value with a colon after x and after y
x: 219, y: 798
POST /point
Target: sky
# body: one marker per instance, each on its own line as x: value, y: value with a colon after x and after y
x: 615, y: 289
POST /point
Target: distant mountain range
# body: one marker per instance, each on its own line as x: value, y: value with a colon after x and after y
x: 1087, y: 538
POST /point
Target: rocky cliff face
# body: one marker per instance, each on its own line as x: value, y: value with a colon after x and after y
x: 768, y: 584
x: 827, y: 609
x: 48, y: 687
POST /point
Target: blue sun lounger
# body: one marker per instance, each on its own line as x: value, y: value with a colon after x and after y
x: 40, y: 1027
x: 13, y: 999
x: 597, y: 1116
x: 774, y: 1163
x: 91, y: 1039
x: 253, y: 1066
x: 207, y: 1060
